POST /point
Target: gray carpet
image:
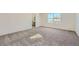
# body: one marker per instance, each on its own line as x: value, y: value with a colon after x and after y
x: 40, y: 37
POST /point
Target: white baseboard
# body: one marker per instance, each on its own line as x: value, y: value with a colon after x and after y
x: 6, y: 33
x: 57, y: 28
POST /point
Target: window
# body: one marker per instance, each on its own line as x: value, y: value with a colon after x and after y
x: 54, y: 17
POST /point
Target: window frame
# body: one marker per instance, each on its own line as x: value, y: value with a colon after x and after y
x: 53, y: 17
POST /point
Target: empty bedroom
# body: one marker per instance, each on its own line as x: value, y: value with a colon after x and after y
x: 39, y: 29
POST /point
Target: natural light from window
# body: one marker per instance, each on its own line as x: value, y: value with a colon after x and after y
x: 36, y: 36
x: 54, y: 17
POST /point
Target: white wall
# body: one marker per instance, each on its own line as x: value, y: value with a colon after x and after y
x: 37, y: 20
x: 77, y: 24
x: 10, y: 23
x: 37, y: 15
x: 67, y: 23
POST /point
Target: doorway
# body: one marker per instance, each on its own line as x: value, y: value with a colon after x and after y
x: 34, y: 22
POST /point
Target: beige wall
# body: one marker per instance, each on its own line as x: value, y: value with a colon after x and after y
x: 10, y: 23
x: 67, y: 23
x: 77, y: 24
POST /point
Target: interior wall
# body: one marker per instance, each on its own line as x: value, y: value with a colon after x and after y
x: 37, y: 20
x: 37, y: 15
x: 67, y: 21
x: 77, y: 24
x: 12, y: 22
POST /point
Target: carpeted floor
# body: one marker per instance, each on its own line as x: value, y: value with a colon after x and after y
x: 40, y: 37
